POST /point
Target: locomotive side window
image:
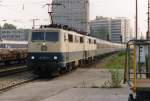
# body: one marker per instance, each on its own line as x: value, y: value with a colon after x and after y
x: 37, y: 36
x: 89, y: 40
x: 51, y: 36
x: 70, y: 37
x: 94, y: 41
x: 81, y: 40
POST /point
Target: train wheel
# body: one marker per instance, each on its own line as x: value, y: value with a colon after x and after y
x: 63, y: 70
x: 69, y: 67
x: 131, y: 98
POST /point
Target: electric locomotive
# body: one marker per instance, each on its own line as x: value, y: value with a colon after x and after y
x: 56, y: 49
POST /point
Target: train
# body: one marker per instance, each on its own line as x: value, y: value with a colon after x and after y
x: 13, y: 52
x: 53, y: 49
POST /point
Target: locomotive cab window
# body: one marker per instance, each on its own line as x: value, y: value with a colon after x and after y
x: 45, y: 36
x: 51, y: 36
x: 37, y: 36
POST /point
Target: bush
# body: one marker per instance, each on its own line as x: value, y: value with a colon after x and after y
x: 116, y: 79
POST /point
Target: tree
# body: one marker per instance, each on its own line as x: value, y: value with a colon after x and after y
x: 9, y: 26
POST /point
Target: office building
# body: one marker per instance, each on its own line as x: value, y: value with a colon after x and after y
x: 120, y: 30
x: 101, y: 28
x: 74, y: 13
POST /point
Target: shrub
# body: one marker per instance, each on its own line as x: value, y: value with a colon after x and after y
x: 116, y: 79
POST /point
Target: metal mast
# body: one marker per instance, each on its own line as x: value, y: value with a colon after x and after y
x: 136, y: 22
x: 148, y: 37
x: 33, y: 21
x: 148, y: 24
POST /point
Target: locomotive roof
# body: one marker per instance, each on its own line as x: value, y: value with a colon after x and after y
x: 66, y: 28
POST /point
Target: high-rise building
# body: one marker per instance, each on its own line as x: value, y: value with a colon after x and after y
x: 114, y: 29
x: 74, y: 13
x: 101, y: 27
x: 120, y: 30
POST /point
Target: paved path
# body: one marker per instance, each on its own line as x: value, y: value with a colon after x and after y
x: 75, y: 86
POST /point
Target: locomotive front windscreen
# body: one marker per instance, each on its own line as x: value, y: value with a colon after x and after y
x: 38, y: 36
x: 45, y: 36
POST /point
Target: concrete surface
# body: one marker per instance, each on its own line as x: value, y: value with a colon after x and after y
x: 75, y: 86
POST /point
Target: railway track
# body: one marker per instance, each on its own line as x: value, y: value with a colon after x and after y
x: 19, y: 78
x: 14, y: 80
x: 12, y: 70
x: 15, y: 76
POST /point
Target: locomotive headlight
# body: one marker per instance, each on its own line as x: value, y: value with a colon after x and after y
x: 32, y: 57
x: 44, y: 44
x: 55, y: 57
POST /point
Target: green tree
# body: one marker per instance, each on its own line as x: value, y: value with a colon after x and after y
x: 9, y: 26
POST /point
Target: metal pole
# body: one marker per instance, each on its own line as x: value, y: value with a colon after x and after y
x: 51, y: 17
x: 136, y: 22
x: 148, y: 37
x: 33, y: 21
x: 148, y: 24
x: 49, y: 5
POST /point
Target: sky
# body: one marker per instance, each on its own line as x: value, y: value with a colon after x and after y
x: 20, y: 12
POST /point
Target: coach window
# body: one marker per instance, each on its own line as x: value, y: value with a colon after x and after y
x: 81, y: 40
x: 70, y: 37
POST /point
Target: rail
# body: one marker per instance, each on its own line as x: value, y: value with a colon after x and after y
x: 12, y: 70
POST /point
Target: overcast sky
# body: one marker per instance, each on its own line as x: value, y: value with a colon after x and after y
x: 12, y: 11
